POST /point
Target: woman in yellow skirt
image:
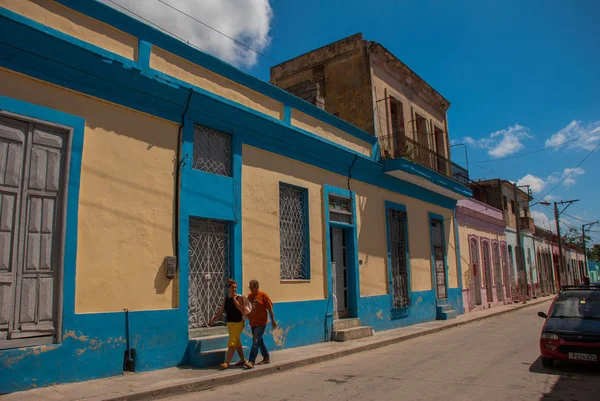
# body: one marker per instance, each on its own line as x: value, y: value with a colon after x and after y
x: 234, y: 309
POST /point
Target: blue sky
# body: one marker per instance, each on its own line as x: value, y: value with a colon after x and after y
x: 521, y: 75
x: 524, y: 70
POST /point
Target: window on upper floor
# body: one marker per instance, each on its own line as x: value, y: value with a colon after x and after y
x: 512, y: 206
x: 504, y: 203
x: 396, y: 117
x: 212, y: 151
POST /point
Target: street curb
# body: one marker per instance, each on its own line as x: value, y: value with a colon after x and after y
x: 210, y: 383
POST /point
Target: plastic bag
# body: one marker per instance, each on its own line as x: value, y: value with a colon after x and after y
x: 246, y: 305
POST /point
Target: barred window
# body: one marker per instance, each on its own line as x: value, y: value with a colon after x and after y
x: 398, y: 252
x: 293, y: 226
x: 340, y: 209
x: 212, y: 151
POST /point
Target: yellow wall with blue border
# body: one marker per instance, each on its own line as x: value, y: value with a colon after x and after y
x: 261, y: 174
x: 125, y: 202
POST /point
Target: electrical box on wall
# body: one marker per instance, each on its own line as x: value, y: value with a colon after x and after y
x: 171, y: 266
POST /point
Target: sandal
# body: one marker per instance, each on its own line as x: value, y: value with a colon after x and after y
x: 223, y: 366
x: 249, y: 365
x: 240, y: 363
x: 265, y: 362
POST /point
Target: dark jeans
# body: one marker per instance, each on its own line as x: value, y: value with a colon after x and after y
x: 257, y: 342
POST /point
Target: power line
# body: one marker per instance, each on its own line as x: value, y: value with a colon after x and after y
x: 572, y: 170
x: 538, y: 150
x: 157, y: 26
x: 216, y: 30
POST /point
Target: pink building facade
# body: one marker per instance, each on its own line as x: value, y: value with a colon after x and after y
x: 487, y: 274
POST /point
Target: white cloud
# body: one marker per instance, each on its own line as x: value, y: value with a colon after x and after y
x: 541, y: 219
x: 569, y: 173
x: 535, y: 183
x: 503, y: 142
x: 576, y: 129
x: 248, y: 21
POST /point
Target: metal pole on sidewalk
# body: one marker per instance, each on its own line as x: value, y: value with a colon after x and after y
x: 557, y: 214
x: 520, y: 254
x: 583, y: 226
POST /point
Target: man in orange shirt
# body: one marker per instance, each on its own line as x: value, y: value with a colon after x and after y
x: 261, y: 303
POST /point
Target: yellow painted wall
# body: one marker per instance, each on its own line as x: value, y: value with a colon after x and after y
x: 180, y: 68
x: 261, y: 174
x: 125, y: 200
x: 318, y: 127
x: 464, y: 230
x: 72, y: 23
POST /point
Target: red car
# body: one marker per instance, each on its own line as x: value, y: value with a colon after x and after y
x: 572, y: 328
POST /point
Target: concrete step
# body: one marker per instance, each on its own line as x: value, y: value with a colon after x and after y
x: 343, y: 324
x: 353, y: 333
x: 444, y: 308
x: 443, y: 301
x: 451, y: 314
x: 210, y: 343
x: 208, y: 331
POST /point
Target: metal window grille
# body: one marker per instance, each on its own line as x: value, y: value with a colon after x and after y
x: 208, y: 269
x: 293, y: 228
x: 212, y: 151
x: 400, y: 290
x: 340, y: 209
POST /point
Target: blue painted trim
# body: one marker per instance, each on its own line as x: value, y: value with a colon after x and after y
x: 351, y: 248
x: 145, y: 32
x: 434, y: 216
x: 287, y: 115
x: 305, y: 202
x: 144, y: 51
x: 457, y: 245
x: 420, y: 171
x: 210, y: 196
x: 391, y: 205
x: 267, y: 133
x: 77, y: 124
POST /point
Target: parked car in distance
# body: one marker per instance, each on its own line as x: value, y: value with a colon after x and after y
x: 571, y: 331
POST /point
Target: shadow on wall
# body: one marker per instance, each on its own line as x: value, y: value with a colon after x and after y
x: 570, y: 381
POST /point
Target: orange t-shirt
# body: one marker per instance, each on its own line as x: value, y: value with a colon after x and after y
x: 261, y: 303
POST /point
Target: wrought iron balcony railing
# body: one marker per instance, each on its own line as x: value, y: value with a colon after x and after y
x: 397, y: 146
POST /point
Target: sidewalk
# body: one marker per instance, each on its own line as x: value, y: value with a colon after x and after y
x: 166, y: 382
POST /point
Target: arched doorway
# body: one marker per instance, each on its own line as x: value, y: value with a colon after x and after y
x: 475, y: 273
x: 487, y: 267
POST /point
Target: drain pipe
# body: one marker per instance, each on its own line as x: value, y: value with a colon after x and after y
x: 179, y: 162
x: 129, y: 365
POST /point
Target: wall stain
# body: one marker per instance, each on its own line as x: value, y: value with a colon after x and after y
x: 279, y: 335
x: 8, y: 362
x: 380, y: 314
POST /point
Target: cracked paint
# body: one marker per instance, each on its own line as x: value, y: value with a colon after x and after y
x: 379, y: 314
x: 8, y: 362
x: 279, y: 335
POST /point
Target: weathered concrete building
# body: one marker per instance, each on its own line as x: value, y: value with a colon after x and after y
x: 361, y: 82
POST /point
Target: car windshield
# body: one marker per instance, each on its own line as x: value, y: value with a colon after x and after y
x: 577, y: 304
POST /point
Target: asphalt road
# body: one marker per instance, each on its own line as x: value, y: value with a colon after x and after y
x: 494, y: 359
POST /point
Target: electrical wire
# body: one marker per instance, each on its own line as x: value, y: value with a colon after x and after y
x: 571, y: 172
x: 216, y: 30
x: 538, y: 150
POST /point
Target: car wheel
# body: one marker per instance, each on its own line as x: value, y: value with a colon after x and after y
x: 547, y: 362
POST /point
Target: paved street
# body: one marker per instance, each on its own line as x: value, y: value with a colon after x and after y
x: 495, y: 359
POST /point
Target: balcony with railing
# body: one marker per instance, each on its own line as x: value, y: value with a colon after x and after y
x: 527, y: 224
x: 401, y: 146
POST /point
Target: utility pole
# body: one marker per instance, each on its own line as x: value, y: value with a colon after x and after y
x: 520, y: 253
x: 557, y: 214
x: 583, y: 226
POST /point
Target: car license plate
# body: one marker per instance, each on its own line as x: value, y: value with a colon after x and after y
x: 583, y: 357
